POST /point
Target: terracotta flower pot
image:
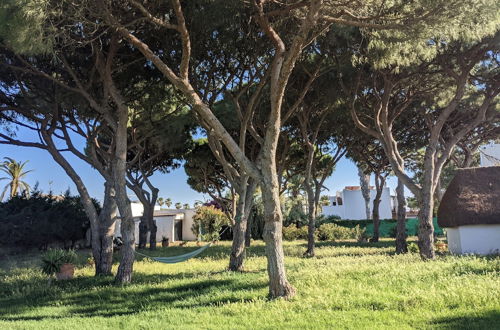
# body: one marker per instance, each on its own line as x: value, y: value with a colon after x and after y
x: 66, y: 272
x: 441, y: 246
x: 165, y: 243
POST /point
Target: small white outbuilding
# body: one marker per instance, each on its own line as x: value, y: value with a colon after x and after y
x: 174, y: 224
x: 470, y: 211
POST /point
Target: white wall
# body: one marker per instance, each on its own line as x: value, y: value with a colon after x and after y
x: 165, y: 221
x: 477, y: 239
x: 138, y: 209
x: 353, y: 205
x: 165, y: 225
x: 187, y: 223
x: 492, y: 150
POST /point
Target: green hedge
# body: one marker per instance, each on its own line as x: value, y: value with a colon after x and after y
x: 387, y: 226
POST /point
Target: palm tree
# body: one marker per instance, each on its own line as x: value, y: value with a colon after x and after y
x: 178, y: 206
x: 160, y: 201
x: 15, y: 173
x: 168, y: 202
x: 186, y: 206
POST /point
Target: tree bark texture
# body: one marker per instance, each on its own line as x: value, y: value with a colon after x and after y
x: 426, y: 225
x: 240, y: 228
x: 107, y: 221
x: 364, y: 182
x: 379, y: 186
x: 124, y: 274
x: 401, y: 246
x: 273, y: 237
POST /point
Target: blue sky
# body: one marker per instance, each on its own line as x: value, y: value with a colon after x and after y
x: 50, y: 176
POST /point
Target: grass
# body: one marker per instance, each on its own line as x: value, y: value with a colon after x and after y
x: 347, y: 286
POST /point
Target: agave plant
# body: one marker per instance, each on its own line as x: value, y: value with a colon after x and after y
x: 53, y: 259
x: 15, y: 173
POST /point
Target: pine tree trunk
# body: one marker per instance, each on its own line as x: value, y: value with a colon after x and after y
x: 426, y: 225
x: 153, y: 229
x: 150, y: 219
x: 376, y: 220
x: 124, y: 274
x: 311, y: 224
x: 237, y: 256
x: 85, y: 198
x: 278, y: 283
x: 401, y: 246
x: 143, y: 233
x: 107, y: 221
x: 248, y: 234
x: 364, y: 181
x: 379, y: 186
x: 241, y: 227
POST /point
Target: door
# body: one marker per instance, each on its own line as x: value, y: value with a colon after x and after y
x: 178, y: 230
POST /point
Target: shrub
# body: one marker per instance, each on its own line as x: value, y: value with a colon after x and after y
x: 413, y: 248
x: 332, y: 232
x: 290, y: 233
x: 208, y: 221
x: 42, y: 220
x: 53, y: 259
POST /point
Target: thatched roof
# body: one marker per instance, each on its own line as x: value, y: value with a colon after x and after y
x: 472, y: 198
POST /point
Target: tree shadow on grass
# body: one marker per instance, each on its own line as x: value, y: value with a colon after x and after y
x: 83, y: 300
x: 487, y: 320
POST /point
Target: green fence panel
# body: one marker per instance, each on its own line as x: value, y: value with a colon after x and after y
x: 387, y: 226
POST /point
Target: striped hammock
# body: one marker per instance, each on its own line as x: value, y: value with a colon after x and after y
x: 179, y: 258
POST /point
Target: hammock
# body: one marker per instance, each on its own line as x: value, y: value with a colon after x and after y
x: 179, y: 258
x: 182, y: 257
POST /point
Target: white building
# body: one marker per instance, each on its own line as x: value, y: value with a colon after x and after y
x: 490, y: 155
x: 349, y: 204
x: 174, y: 224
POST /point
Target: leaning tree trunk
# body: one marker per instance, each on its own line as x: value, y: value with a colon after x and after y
x: 401, y: 246
x: 124, y: 274
x: 85, y: 198
x: 364, y: 181
x: 107, y: 221
x: 273, y: 235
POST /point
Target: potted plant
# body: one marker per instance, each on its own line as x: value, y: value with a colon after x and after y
x: 441, y: 246
x: 59, y: 262
x: 164, y: 241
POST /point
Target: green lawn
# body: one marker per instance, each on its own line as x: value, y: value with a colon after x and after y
x: 348, y: 285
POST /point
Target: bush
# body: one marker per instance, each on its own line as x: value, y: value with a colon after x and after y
x: 332, y: 232
x: 413, y: 248
x: 292, y: 232
x: 208, y: 221
x: 53, y: 259
x: 42, y: 220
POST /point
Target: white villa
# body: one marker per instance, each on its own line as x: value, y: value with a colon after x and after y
x: 350, y: 204
x: 174, y: 224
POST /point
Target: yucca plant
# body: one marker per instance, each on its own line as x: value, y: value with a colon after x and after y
x: 53, y: 259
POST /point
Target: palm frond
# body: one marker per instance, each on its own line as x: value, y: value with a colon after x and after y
x: 4, y: 191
